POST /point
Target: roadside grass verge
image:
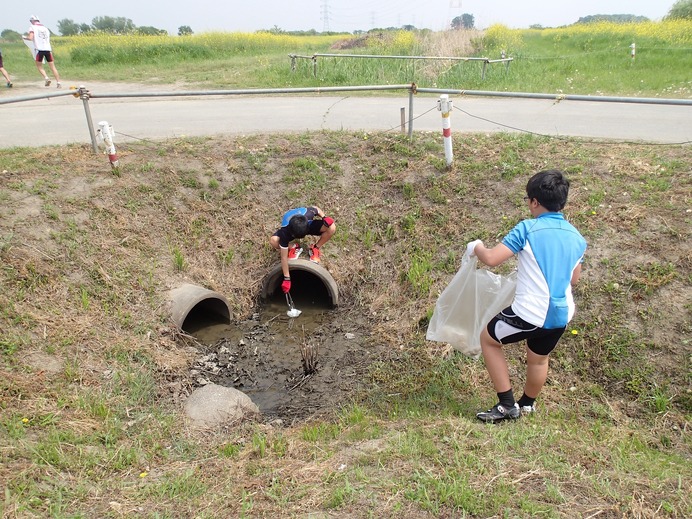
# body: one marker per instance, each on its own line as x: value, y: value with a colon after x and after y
x: 92, y: 377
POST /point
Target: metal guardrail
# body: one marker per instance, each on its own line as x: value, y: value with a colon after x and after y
x: 21, y: 99
x: 313, y: 58
x: 560, y: 97
x: 297, y: 90
x: 84, y: 94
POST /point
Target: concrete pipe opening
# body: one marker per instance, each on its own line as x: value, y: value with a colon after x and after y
x: 310, y: 282
x: 194, y: 307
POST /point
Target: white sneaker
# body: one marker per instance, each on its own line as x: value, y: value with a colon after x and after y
x: 58, y: 85
x: 527, y: 409
x: 47, y: 82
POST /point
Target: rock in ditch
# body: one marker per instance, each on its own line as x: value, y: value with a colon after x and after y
x: 213, y: 405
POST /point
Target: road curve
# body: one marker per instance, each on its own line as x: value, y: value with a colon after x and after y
x: 63, y: 120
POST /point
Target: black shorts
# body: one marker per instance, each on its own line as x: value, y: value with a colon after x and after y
x: 507, y: 327
x: 44, y: 54
x: 315, y: 227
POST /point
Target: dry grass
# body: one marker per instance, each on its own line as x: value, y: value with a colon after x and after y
x: 87, y: 264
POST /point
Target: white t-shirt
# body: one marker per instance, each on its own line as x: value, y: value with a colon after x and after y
x: 41, y: 37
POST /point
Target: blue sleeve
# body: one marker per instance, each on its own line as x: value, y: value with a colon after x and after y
x: 516, y: 238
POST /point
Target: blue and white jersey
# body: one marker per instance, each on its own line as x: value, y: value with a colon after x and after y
x: 549, y: 248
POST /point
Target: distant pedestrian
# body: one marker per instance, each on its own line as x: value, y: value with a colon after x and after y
x: 4, y: 72
x: 40, y: 35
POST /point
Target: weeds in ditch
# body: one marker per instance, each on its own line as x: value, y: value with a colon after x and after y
x: 419, y: 273
x: 179, y: 263
x: 309, y: 352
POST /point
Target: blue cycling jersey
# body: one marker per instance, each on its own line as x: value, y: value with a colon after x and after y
x: 549, y: 248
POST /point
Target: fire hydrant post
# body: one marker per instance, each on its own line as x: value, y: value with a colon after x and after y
x: 107, y: 134
x: 445, y: 106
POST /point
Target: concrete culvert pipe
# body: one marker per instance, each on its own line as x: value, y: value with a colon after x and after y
x: 193, y: 307
x: 306, y: 276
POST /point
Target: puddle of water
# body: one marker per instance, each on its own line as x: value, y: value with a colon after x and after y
x: 261, y: 357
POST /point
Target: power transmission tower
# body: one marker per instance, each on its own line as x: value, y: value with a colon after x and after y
x: 324, y: 15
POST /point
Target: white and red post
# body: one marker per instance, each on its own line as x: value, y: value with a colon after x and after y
x: 445, y: 106
x: 107, y: 134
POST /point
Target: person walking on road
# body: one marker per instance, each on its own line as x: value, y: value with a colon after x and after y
x: 40, y: 35
x: 4, y: 72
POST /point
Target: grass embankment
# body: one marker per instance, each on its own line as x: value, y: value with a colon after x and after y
x: 582, y: 59
x: 91, y: 374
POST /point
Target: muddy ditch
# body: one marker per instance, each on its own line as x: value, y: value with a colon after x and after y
x: 291, y: 368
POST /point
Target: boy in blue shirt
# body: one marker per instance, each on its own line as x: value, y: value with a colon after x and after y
x: 296, y: 224
x: 550, y: 252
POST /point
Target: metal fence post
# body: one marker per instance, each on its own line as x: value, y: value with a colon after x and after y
x: 411, y: 91
x: 84, y: 96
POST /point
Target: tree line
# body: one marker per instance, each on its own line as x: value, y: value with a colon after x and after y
x: 681, y: 10
x: 106, y: 24
x: 113, y: 25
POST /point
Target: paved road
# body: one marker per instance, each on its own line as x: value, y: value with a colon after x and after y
x: 62, y: 120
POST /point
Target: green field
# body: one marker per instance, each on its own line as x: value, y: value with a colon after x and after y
x: 593, y: 59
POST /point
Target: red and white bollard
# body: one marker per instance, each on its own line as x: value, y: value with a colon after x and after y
x: 445, y: 106
x: 107, y: 134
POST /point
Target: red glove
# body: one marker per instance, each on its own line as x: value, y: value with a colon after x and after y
x: 286, y: 285
x: 328, y: 221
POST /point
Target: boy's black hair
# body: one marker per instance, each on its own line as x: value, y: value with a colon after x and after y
x: 298, y: 225
x: 550, y: 188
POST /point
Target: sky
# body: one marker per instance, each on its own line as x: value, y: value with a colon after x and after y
x: 321, y: 15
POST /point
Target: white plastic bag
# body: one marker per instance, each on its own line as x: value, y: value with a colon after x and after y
x: 470, y: 300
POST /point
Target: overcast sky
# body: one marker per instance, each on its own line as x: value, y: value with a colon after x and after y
x: 335, y: 15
